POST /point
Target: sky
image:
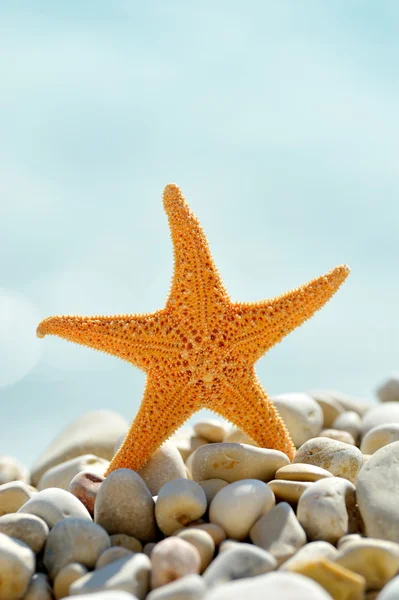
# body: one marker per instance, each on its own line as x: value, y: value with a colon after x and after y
x: 280, y: 123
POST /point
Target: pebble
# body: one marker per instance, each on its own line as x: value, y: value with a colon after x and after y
x: 288, y: 491
x: 331, y: 408
x: 187, y: 442
x: 301, y: 414
x: 211, y: 430
x: 65, y: 577
x: 179, y: 502
x: 342, y: 460
x: 107, y: 595
x: 171, y: 559
x: 310, y: 552
x: 126, y: 541
x: 339, y: 582
x: 350, y: 403
x: 211, y: 487
x: 85, y: 486
x: 339, y: 436
x: 39, y: 588
x: 233, y: 462
x: 277, y: 586
x: 238, y: 562
x: 349, y: 421
x: 53, y: 505
x: 202, y: 541
x: 189, y: 587
x: 327, y: 509
x: 61, y: 475
x: 74, y: 540
x: 237, y: 436
x: 237, y: 506
x: 302, y: 472
x: 376, y: 560
x: 381, y: 414
x: 17, y: 565
x: 129, y: 574
x: 13, y: 495
x: 377, y: 495
x: 92, y: 433
x: 279, y: 532
x: 391, y: 590
x: 148, y: 548
x: 124, y: 504
x: 110, y: 554
x: 166, y: 464
x: 379, y: 436
x: 348, y: 538
x: 215, y: 531
x: 29, y: 529
x: 11, y: 469
x: 389, y: 390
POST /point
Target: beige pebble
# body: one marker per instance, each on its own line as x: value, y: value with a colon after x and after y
x: 30, y: 529
x: 339, y: 582
x: 202, y: 541
x: 237, y: 436
x: 377, y: 496
x: 110, y: 554
x: 179, y: 502
x: 240, y: 561
x: 325, y: 510
x: 124, y: 505
x: 61, y: 475
x: 302, y: 472
x: 74, y: 540
x: 12, y: 469
x: 17, y: 565
x: 279, y: 532
x: 379, y: 436
x: 376, y: 560
x: 237, y: 506
x: 39, y: 588
x: 309, y: 553
x: 126, y: 541
x: 165, y: 465
x: 229, y: 545
x: 211, y: 487
x: 348, y: 402
x: 13, y: 495
x: 339, y: 436
x: 348, y: 538
x: 288, y: 491
x: 380, y: 414
x: 342, y: 460
x: 301, y: 414
x: 53, y: 505
x: 388, y: 391
x: 186, y: 441
x: 349, y: 421
x: 211, y: 430
x: 65, y: 577
x: 189, y: 587
x: 148, y: 548
x: 85, y: 486
x: 216, y: 532
x: 233, y: 462
x: 171, y: 559
x: 330, y: 406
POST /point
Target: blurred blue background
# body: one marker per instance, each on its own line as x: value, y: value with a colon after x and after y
x: 280, y: 123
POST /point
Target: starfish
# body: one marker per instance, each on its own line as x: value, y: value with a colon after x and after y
x: 200, y: 350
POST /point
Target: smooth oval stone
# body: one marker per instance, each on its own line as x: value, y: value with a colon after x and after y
x: 377, y: 497
x: 323, y: 509
x: 53, y: 505
x: 237, y: 506
x: 381, y: 414
x: 126, y: 541
x: 302, y: 472
x: 211, y: 430
x: 330, y: 406
x: 179, y: 502
x: 166, y: 464
x: 240, y: 561
x: 61, y: 475
x: 215, y: 531
x: 29, y: 529
x: 65, y: 578
x: 376, y: 560
x: 288, y: 491
x: 85, y: 486
x: 279, y: 532
x: 92, y: 433
x: 13, y: 495
x: 189, y: 587
x: 342, y: 460
x: 17, y: 565
x: 272, y: 586
x: 301, y: 414
x: 339, y: 436
x: 310, y: 552
x: 211, y: 487
x: 107, y: 595
x: 202, y: 541
x: 390, y: 591
x: 233, y: 462
x: 389, y: 390
x: 237, y: 436
x: 348, y: 421
x: 74, y: 540
x: 110, y: 554
x: 39, y: 588
x: 341, y: 583
x: 186, y: 441
x: 379, y: 436
x: 130, y: 574
x: 171, y: 559
x: 347, y: 402
x: 11, y: 469
x: 124, y: 505
x: 348, y: 538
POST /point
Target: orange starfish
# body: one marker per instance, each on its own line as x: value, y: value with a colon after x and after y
x: 200, y: 350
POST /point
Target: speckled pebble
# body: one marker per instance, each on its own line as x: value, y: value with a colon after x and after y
x: 29, y: 529
x: 202, y: 541
x: 65, y: 578
x: 211, y: 430
x: 11, y: 469
x: 310, y: 552
x: 126, y: 541
x: 348, y: 421
x: 13, y: 495
x: 339, y: 582
x: 85, y: 486
x: 166, y: 464
x: 61, y: 475
x: 302, y: 472
x: 239, y: 562
x: 339, y: 436
x: 179, y: 502
x: 342, y: 460
x: 301, y: 414
x: 379, y: 436
x: 53, y: 505
x: 376, y: 560
x: 171, y: 559
x: 110, y: 554
x: 288, y: 491
x: 189, y: 587
x: 39, y: 588
x: 17, y: 565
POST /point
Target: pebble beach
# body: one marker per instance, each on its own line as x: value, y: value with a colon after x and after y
x: 211, y: 516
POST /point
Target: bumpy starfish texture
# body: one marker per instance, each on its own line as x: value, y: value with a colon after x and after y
x: 200, y: 350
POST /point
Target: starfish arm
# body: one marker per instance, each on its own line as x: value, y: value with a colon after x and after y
x: 197, y: 288
x: 263, y: 324
x: 161, y: 412
x: 134, y: 338
x: 246, y: 404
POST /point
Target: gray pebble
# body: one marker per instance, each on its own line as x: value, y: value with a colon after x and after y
x: 53, y: 505
x: 28, y: 528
